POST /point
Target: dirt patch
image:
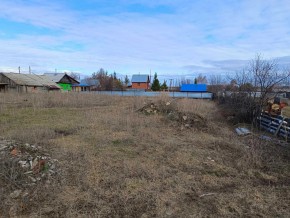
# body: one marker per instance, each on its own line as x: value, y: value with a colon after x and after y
x: 64, y: 132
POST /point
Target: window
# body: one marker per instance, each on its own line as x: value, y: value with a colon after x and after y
x: 139, y: 84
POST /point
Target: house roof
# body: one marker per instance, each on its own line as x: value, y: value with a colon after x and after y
x: 31, y: 80
x: 55, y: 77
x: 88, y: 82
x: 61, y: 78
x: 140, y: 78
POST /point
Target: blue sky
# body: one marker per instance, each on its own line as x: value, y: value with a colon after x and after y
x: 172, y: 38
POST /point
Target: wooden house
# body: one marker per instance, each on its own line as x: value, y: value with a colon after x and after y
x: 140, y: 81
x: 86, y: 85
x: 16, y: 82
x: 63, y: 80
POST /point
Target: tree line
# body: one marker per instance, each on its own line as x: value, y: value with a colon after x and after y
x: 260, y: 75
x: 101, y: 80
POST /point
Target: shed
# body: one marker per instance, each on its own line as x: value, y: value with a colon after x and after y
x: 140, y: 81
x: 63, y: 80
x: 86, y: 85
x: 193, y: 88
x: 26, y: 83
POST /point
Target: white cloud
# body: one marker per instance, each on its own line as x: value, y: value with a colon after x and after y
x: 135, y: 42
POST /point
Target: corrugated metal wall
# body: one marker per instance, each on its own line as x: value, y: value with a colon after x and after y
x: 278, y: 126
x: 193, y: 88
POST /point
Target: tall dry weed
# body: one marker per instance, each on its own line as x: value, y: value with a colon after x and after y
x: 118, y: 162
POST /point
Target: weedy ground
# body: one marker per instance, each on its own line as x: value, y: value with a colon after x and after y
x: 119, y: 162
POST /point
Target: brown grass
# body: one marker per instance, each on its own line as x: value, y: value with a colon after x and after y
x: 117, y: 162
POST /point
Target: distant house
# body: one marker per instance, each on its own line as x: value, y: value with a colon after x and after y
x: 63, y: 80
x: 193, y: 88
x: 16, y: 82
x: 140, y: 81
x: 86, y: 85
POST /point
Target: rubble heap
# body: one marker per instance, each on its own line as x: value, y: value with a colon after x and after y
x: 24, y: 169
x: 188, y: 120
x: 184, y: 120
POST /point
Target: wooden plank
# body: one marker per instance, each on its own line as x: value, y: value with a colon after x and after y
x: 279, y: 127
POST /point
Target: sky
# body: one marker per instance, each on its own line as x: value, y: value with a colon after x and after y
x: 170, y: 37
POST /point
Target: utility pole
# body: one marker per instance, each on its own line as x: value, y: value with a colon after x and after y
x: 170, y: 84
x: 29, y: 70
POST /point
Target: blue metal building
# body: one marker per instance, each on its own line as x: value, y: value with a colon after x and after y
x: 193, y: 88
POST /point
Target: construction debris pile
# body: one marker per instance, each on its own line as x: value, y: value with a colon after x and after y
x: 157, y: 108
x: 183, y: 120
x: 24, y: 167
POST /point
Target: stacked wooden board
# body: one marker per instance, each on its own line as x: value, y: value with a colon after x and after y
x: 278, y: 125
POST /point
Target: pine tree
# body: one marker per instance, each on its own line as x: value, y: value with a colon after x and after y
x: 155, y: 84
x: 164, y: 86
x: 126, y: 80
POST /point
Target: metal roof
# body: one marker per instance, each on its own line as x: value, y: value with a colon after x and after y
x: 55, y: 77
x: 88, y: 82
x: 140, y: 78
x: 58, y: 77
x: 30, y: 80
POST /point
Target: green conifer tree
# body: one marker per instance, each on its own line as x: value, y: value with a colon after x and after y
x: 164, y: 86
x: 155, y: 84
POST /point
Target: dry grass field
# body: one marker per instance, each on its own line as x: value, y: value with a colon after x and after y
x: 117, y: 161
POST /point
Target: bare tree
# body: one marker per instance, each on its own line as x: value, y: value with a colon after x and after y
x: 215, y: 84
x: 201, y: 79
x: 215, y: 80
x: 255, y: 83
x: 107, y: 82
x: 267, y: 76
x: 76, y: 76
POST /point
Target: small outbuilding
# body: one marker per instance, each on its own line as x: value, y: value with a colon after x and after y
x: 193, y: 88
x: 16, y: 82
x: 86, y: 85
x: 140, y: 81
